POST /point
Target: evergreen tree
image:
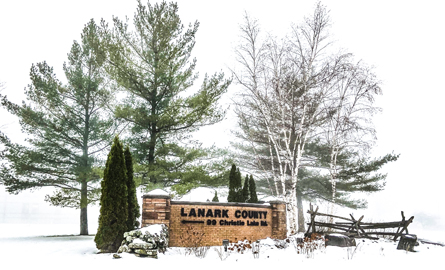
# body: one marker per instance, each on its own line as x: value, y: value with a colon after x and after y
x: 113, y: 201
x: 152, y: 63
x: 215, y: 198
x: 253, y: 198
x: 239, y: 187
x: 68, y: 126
x: 133, y: 205
x: 232, y: 179
x: 246, y: 190
x: 235, y: 188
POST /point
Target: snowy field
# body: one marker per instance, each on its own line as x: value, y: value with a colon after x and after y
x: 57, y: 247
x: 45, y: 241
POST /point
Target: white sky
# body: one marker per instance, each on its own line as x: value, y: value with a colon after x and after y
x: 403, y: 40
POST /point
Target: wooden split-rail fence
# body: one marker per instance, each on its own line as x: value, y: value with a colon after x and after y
x: 356, y: 227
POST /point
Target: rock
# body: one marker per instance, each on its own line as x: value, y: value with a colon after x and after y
x: 123, y: 248
x: 339, y: 240
x: 151, y: 253
x: 142, y: 246
x: 407, y: 242
x: 116, y: 256
x: 129, y: 239
x: 135, y: 233
x: 146, y: 242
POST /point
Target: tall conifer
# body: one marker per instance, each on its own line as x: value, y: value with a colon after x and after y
x: 133, y: 206
x: 113, y: 201
x: 252, y: 190
x: 67, y: 125
x: 235, y: 187
x: 151, y: 60
x: 246, y: 190
x: 232, y: 180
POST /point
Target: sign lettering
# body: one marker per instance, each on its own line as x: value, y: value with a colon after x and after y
x: 254, y: 218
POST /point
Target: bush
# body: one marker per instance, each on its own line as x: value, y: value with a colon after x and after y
x: 193, y: 238
x: 222, y: 254
x: 240, y: 247
x: 308, y: 245
x: 113, y: 201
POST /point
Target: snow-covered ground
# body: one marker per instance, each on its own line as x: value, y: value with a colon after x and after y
x: 48, y: 243
x: 26, y: 247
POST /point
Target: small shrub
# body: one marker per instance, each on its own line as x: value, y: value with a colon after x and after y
x: 281, y: 244
x: 222, y: 254
x: 308, y: 245
x: 200, y: 252
x: 193, y: 238
x: 351, y: 251
x: 240, y: 247
x: 256, y: 249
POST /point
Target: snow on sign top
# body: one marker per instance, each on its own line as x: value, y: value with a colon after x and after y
x: 158, y: 192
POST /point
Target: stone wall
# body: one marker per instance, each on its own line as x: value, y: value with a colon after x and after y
x: 207, y: 224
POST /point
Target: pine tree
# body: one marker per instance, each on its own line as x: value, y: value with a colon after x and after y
x: 133, y: 206
x: 67, y: 126
x: 252, y: 190
x: 246, y: 190
x: 151, y: 61
x: 215, y: 198
x: 113, y: 201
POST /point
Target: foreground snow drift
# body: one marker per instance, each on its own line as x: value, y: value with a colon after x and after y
x: 74, y: 252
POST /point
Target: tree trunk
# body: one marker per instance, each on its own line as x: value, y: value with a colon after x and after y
x: 291, y: 214
x: 83, y: 209
x: 153, y: 126
x: 151, y: 151
x: 300, y: 212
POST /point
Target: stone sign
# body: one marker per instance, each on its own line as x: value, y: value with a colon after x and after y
x: 215, y: 221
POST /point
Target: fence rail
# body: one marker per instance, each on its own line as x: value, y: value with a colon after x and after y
x: 355, y: 227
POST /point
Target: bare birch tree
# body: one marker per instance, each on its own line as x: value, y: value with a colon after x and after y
x: 284, y: 84
x: 348, y: 127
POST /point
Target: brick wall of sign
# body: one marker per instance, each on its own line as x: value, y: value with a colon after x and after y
x: 207, y: 224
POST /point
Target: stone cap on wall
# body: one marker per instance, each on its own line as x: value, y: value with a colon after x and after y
x: 161, y: 194
x: 261, y: 205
